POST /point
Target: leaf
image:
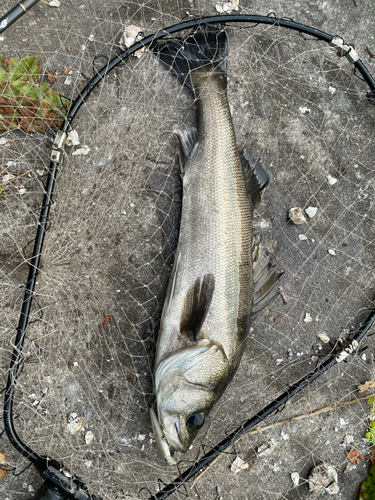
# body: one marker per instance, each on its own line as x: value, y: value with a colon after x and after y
x: 51, y: 78
x: 370, y: 384
x: 354, y: 456
x: 25, y: 101
x: 3, y: 468
x: 367, y: 491
x: 106, y: 320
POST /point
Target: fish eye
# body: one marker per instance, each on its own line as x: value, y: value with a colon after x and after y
x: 195, y: 421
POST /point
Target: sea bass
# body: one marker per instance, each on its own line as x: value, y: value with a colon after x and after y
x: 219, y: 278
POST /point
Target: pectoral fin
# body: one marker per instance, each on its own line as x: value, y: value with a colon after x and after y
x: 196, y: 306
x: 168, y: 303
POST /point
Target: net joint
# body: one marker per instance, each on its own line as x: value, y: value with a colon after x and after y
x: 343, y: 50
x: 57, y: 145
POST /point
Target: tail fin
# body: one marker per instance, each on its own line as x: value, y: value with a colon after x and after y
x: 207, y: 47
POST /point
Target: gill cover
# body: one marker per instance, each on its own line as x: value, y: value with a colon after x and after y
x: 187, y: 384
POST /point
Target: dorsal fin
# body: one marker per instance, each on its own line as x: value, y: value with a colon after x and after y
x: 196, y: 305
x: 188, y: 142
x: 256, y: 178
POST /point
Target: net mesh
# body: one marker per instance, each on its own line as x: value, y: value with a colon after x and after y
x: 86, y: 384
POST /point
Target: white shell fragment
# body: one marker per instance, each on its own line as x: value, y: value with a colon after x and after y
x: 302, y: 237
x: 304, y: 110
x: 81, y: 151
x: 323, y: 479
x: 308, y: 318
x: 296, y: 215
x: 3, y: 141
x: 72, y: 139
x: 348, y: 438
x: 141, y: 437
x: 75, y: 424
x: 332, y: 90
x: 238, y: 465
x: 68, y: 80
x: 54, y: 3
x: 350, y: 467
x: 331, y: 251
x: 295, y: 478
x: 131, y: 35
x: 8, y: 178
x: 89, y: 437
x: 227, y: 7
x: 331, y: 180
x: 311, y: 211
x: 323, y: 338
x: 266, y: 449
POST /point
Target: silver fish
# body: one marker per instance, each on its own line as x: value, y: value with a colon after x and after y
x: 219, y: 278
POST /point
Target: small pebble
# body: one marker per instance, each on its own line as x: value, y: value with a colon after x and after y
x: 331, y: 180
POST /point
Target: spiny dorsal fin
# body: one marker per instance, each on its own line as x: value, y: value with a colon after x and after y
x: 265, y: 278
x: 188, y: 142
x: 256, y: 178
x: 196, y: 306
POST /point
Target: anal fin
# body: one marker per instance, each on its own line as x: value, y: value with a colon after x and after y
x: 265, y: 278
x: 196, y: 306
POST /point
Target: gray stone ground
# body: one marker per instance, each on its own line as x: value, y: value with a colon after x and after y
x: 114, y: 227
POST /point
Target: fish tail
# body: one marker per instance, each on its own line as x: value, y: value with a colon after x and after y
x: 204, y: 49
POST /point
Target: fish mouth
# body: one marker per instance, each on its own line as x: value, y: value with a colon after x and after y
x: 171, y: 433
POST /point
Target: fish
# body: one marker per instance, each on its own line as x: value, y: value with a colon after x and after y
x: 220, y: 278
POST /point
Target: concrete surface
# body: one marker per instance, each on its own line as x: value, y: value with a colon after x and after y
x: 114, y: 227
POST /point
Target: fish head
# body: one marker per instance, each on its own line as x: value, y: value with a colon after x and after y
x: 187, y: 384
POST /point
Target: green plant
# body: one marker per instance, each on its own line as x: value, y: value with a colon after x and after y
x: 25, y: 100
